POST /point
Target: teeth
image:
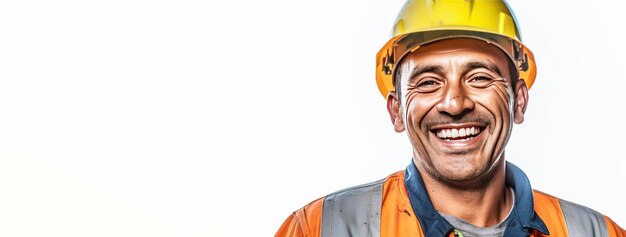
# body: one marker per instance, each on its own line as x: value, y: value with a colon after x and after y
x: 463, y: 133
x: 455, y: 133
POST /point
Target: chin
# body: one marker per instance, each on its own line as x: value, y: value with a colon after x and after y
x: 460, y: 170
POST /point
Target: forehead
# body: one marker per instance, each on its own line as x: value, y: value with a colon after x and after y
x: 454, y: 52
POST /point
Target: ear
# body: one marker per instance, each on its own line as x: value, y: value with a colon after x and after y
x: 521, y: 101
x: 393, y: 107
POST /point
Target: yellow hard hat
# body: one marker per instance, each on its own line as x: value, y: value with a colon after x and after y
x: 424, y: 21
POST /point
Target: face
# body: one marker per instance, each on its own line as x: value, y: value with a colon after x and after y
x: 457, y: 105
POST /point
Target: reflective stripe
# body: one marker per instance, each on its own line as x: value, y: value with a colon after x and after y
x: 353, y: 212
x: 582, y: 221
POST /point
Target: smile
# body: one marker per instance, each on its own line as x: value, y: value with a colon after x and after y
x: 458, y: 134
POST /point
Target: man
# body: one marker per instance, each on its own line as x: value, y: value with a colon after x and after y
x: 456, y: 77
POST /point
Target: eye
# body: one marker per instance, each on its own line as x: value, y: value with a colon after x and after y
x: 480, y: 81
x: 427, y: 84
x: 481, y: 78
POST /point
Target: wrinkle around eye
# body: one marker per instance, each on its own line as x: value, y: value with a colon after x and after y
x: 483, y: 81
x: 426, y: 85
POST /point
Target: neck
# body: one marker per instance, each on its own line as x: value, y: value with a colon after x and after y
x: 482, y: 205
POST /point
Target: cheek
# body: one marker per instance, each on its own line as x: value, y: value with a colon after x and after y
x: 417, y: 107
x: 498, y: 100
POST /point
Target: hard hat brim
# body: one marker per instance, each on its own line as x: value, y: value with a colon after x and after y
x: 397, y: 47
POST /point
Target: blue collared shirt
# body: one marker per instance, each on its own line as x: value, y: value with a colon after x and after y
x: 523, y: 216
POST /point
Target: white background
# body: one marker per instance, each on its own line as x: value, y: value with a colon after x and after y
x: 220, y: 118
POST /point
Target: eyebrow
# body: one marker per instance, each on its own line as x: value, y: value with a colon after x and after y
x: 469, y: 66
x: 420, y: 69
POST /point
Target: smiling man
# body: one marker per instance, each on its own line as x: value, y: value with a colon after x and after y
x: 456, y: 78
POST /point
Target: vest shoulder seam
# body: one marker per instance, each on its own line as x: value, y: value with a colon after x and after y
x: 358, y: 187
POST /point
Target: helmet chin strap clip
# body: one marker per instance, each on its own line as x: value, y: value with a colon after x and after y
x: 388, y: 62
x: 522, y: 59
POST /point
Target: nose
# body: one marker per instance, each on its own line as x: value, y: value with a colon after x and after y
x: 455, y: 101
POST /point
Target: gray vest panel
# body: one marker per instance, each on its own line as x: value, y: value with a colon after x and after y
x: 582, y: 221
x: 353, y: 212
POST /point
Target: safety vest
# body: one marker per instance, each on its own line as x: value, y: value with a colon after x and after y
x: 399, y: 206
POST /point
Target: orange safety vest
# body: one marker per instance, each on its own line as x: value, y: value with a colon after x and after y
x: 398, y: 206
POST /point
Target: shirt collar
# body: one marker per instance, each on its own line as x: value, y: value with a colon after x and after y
x: 522, y: 217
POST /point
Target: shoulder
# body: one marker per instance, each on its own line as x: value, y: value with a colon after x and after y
x: 361, y: 198
x: 303, y: 222
x: 347, y: 207
x: 356, y: 211
x: 565, y: 218
x: 364, y: 190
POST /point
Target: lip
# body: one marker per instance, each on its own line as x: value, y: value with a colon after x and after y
x: 457, y: 126
x: 457, y: 146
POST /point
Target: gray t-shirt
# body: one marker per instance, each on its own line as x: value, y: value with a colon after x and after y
x: 469, y: 230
